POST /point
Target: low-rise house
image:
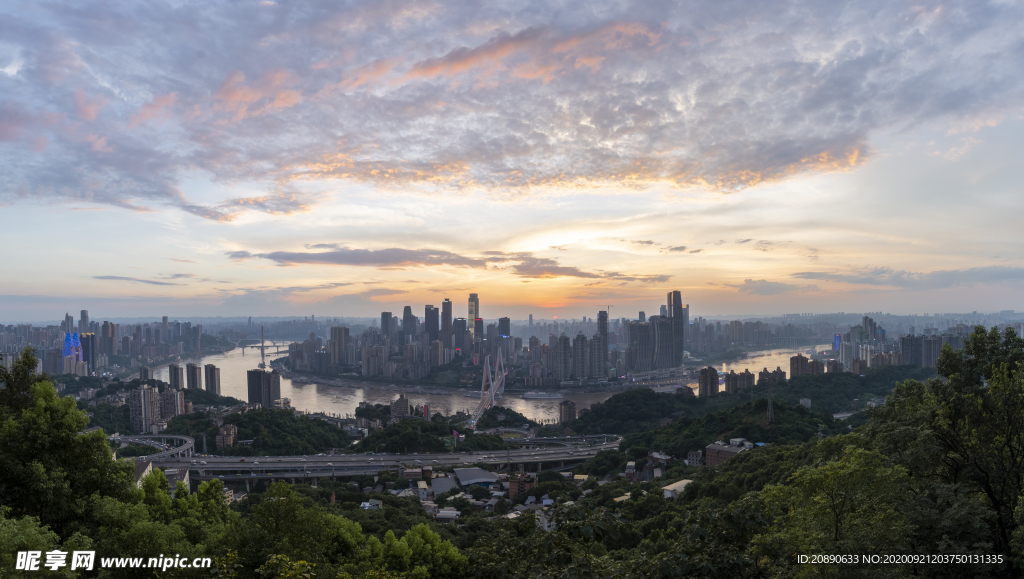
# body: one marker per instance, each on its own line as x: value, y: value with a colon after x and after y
x: 142, y: 468
x: 447, y: 515
x: 718, y: 452
x: 675, y: 489
x: 442, y: 485
x: 177, y: 476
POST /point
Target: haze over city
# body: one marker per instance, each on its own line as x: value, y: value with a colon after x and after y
x: 286, y: 160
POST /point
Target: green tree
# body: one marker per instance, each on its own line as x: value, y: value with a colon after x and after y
x: 28, y: 534
x: 846, y: 506
x: 47, y: 468
x: 963, y: 432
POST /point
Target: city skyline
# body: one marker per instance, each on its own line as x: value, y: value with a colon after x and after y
x: 343, y: 161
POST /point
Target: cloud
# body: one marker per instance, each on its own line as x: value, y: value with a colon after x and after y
x: 679, y: 248
x: 503, y: 97
x: 542, y: 267
x: 696, y: 251
x: 940, y: 279
x: 523, y: 264
x: 88, y: 107
x: 365, y: 257
x: 276, y: 203
x: 183, y: 260
x: 763, y: 287
x: 744, y: 240
x: 154, y: 109
x: 765, y: 245
x: 133, y: 279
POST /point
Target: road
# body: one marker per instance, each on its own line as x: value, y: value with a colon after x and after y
x: 290, y: 467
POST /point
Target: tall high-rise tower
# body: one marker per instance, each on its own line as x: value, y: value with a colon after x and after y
x: 410, y: 326
x: 601, y: 364
x: 385, y: 327
x: 83, y: 325
x: 430, y: 320
x: 679, y: 313
x: 446, y: 323
x: 474, y: 313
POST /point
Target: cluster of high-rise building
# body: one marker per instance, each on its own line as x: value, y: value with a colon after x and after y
x: 85, y: 347
x: 868, y: 345
x: 149, y: 409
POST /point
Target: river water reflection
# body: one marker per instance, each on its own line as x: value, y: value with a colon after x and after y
x: 343, y: 400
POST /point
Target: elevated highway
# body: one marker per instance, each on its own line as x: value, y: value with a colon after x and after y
x: 265, y: 469
x: 184, y: 448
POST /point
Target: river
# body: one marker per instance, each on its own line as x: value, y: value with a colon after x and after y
x: 757, y: 361
x: 343, y: 400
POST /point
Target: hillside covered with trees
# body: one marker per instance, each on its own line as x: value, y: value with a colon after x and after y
x: 936, y: 471
x: 274, y: 432
x: 642, y: 409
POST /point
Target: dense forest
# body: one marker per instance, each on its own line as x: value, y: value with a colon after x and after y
x: 642, y: 409
x: 273, y: 432
x: 426, y: 436
x: 936, y: 471
x: 499, y: 416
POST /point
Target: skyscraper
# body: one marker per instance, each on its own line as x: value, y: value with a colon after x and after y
x: 212, y: 379
x: 410, y: 326
x: 83, y: 326
x: 601, y: 364
x: 707, y: 383
x: 580, y: 357
x: 474, y: 313
x: 263, y: 387
x: 145, y: 373
x: 446, y: 323
x: 640, y: 352
x: 385, y: 328
x: 338, y: 345
x: 143, y: 408
x: 193, y: 376
x: 679, y: 314
x: 504, y: 327
x: 172, y: 403
x: 478, y: 330
x: 430, y: 320
x: 664, y: 341
x: 90, y: 345
x: 531, y: 320
x: 561, y: 357
x: 459, y: 331
x: 176, y: 376
x: 566, y: 411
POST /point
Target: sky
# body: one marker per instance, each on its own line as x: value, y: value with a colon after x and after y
x: 346, y: 158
